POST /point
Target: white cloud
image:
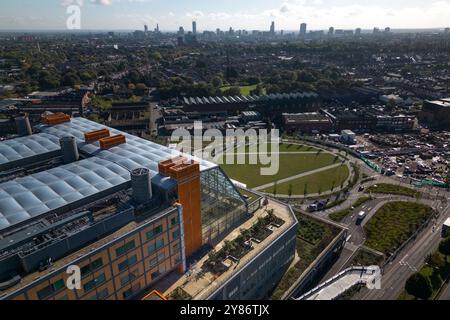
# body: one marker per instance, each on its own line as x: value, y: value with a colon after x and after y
x: 287, y: 14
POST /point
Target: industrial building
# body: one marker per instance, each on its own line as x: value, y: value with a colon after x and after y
x: 436, y: 114
x: 127, y: 211
x: 309, y: 122
x: 272, y: 103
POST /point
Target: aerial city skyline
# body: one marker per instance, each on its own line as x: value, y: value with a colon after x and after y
x: 254, y: 151
x: 320, y: 14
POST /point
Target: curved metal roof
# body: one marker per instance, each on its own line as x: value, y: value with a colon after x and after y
x: 26, y: 147
x: 43, y: 192
x: 136, y: 153
x: 78, y: 183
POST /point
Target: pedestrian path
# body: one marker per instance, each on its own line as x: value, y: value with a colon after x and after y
x: 298, y: 176
x: 339, y: 284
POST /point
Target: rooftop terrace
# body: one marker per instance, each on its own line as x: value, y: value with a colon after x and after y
x: 201, y: 283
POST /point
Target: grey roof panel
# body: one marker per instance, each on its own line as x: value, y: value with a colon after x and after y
x: 20, y: 149
x: 136, y: 153
x: 25, y: 198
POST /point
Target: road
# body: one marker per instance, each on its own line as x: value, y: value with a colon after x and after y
x: 356, y: 232
x: 445, y: 294
x: 412, y: 257
x: 410, y: 260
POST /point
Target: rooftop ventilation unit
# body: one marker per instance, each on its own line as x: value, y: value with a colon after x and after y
x: 55, y: 118
x: 69, y: 149
x: 96, y: 135
x: 23, y: 126
x: 110, y: 142
x: 141, y: 185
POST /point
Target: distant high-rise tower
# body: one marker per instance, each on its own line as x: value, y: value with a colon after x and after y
x: 272, y: 28
x: 194, y: 27
x: 387, y: 30
x: 157, y: 28
x: 181, y: 31
x: 331, y: 31
x: 145, y: 28
x: 303, y: 27
x: 358, y: 31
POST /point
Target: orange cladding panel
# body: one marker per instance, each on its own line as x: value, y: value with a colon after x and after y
x: 187, y: 175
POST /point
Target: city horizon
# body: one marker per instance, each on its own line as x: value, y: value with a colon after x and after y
x: 131, y: 15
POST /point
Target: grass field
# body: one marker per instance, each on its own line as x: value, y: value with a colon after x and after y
x: 393, y: 189
x: 290, y: 165
x: 395, y: 223
x: 245, y: 90
x: 316, y: 183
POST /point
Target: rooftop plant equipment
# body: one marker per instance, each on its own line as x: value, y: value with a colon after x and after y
x: 93, y: 136
x: 55, y: 118
x: 107, y: 143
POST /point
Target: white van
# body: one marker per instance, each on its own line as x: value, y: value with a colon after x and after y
x: 361, y: 215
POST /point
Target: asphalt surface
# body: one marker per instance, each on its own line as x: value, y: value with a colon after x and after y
x: 411, y: 258
x: 409, y: 261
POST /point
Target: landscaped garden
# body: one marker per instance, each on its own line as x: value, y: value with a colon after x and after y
x: 366, y: 258
x: 395, y: 223
x: 313, y: 237
x: 385, y: 188
x: 243, y: 244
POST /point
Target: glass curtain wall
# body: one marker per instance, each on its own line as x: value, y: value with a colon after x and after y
x: 223, y: 207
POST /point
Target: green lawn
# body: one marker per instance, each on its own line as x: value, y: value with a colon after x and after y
x: 316, y: 183
x: 245, y: 90
x: 393, y: 189
x: 394, y: 223
x: 289, y: 165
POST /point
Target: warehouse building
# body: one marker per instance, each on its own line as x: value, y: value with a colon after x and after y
x: 127, y: 211
x: 436, y: 114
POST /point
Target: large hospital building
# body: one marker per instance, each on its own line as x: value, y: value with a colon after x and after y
x: 134, y: 216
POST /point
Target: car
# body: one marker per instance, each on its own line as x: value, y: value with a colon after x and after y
x: 361, y: 188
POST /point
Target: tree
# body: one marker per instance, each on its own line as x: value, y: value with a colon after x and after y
x: 233, y: 91
x: 444, y: 247
x: 436, y: 260
x: 290, y: 190
x: 217, y: 82
x: 231, y: 72
x: 390, y: 106
x: 419, y: 286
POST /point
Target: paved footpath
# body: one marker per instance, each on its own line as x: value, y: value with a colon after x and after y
x: 305, y: 174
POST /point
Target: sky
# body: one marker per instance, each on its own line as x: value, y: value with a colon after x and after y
x: 212, y: 14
